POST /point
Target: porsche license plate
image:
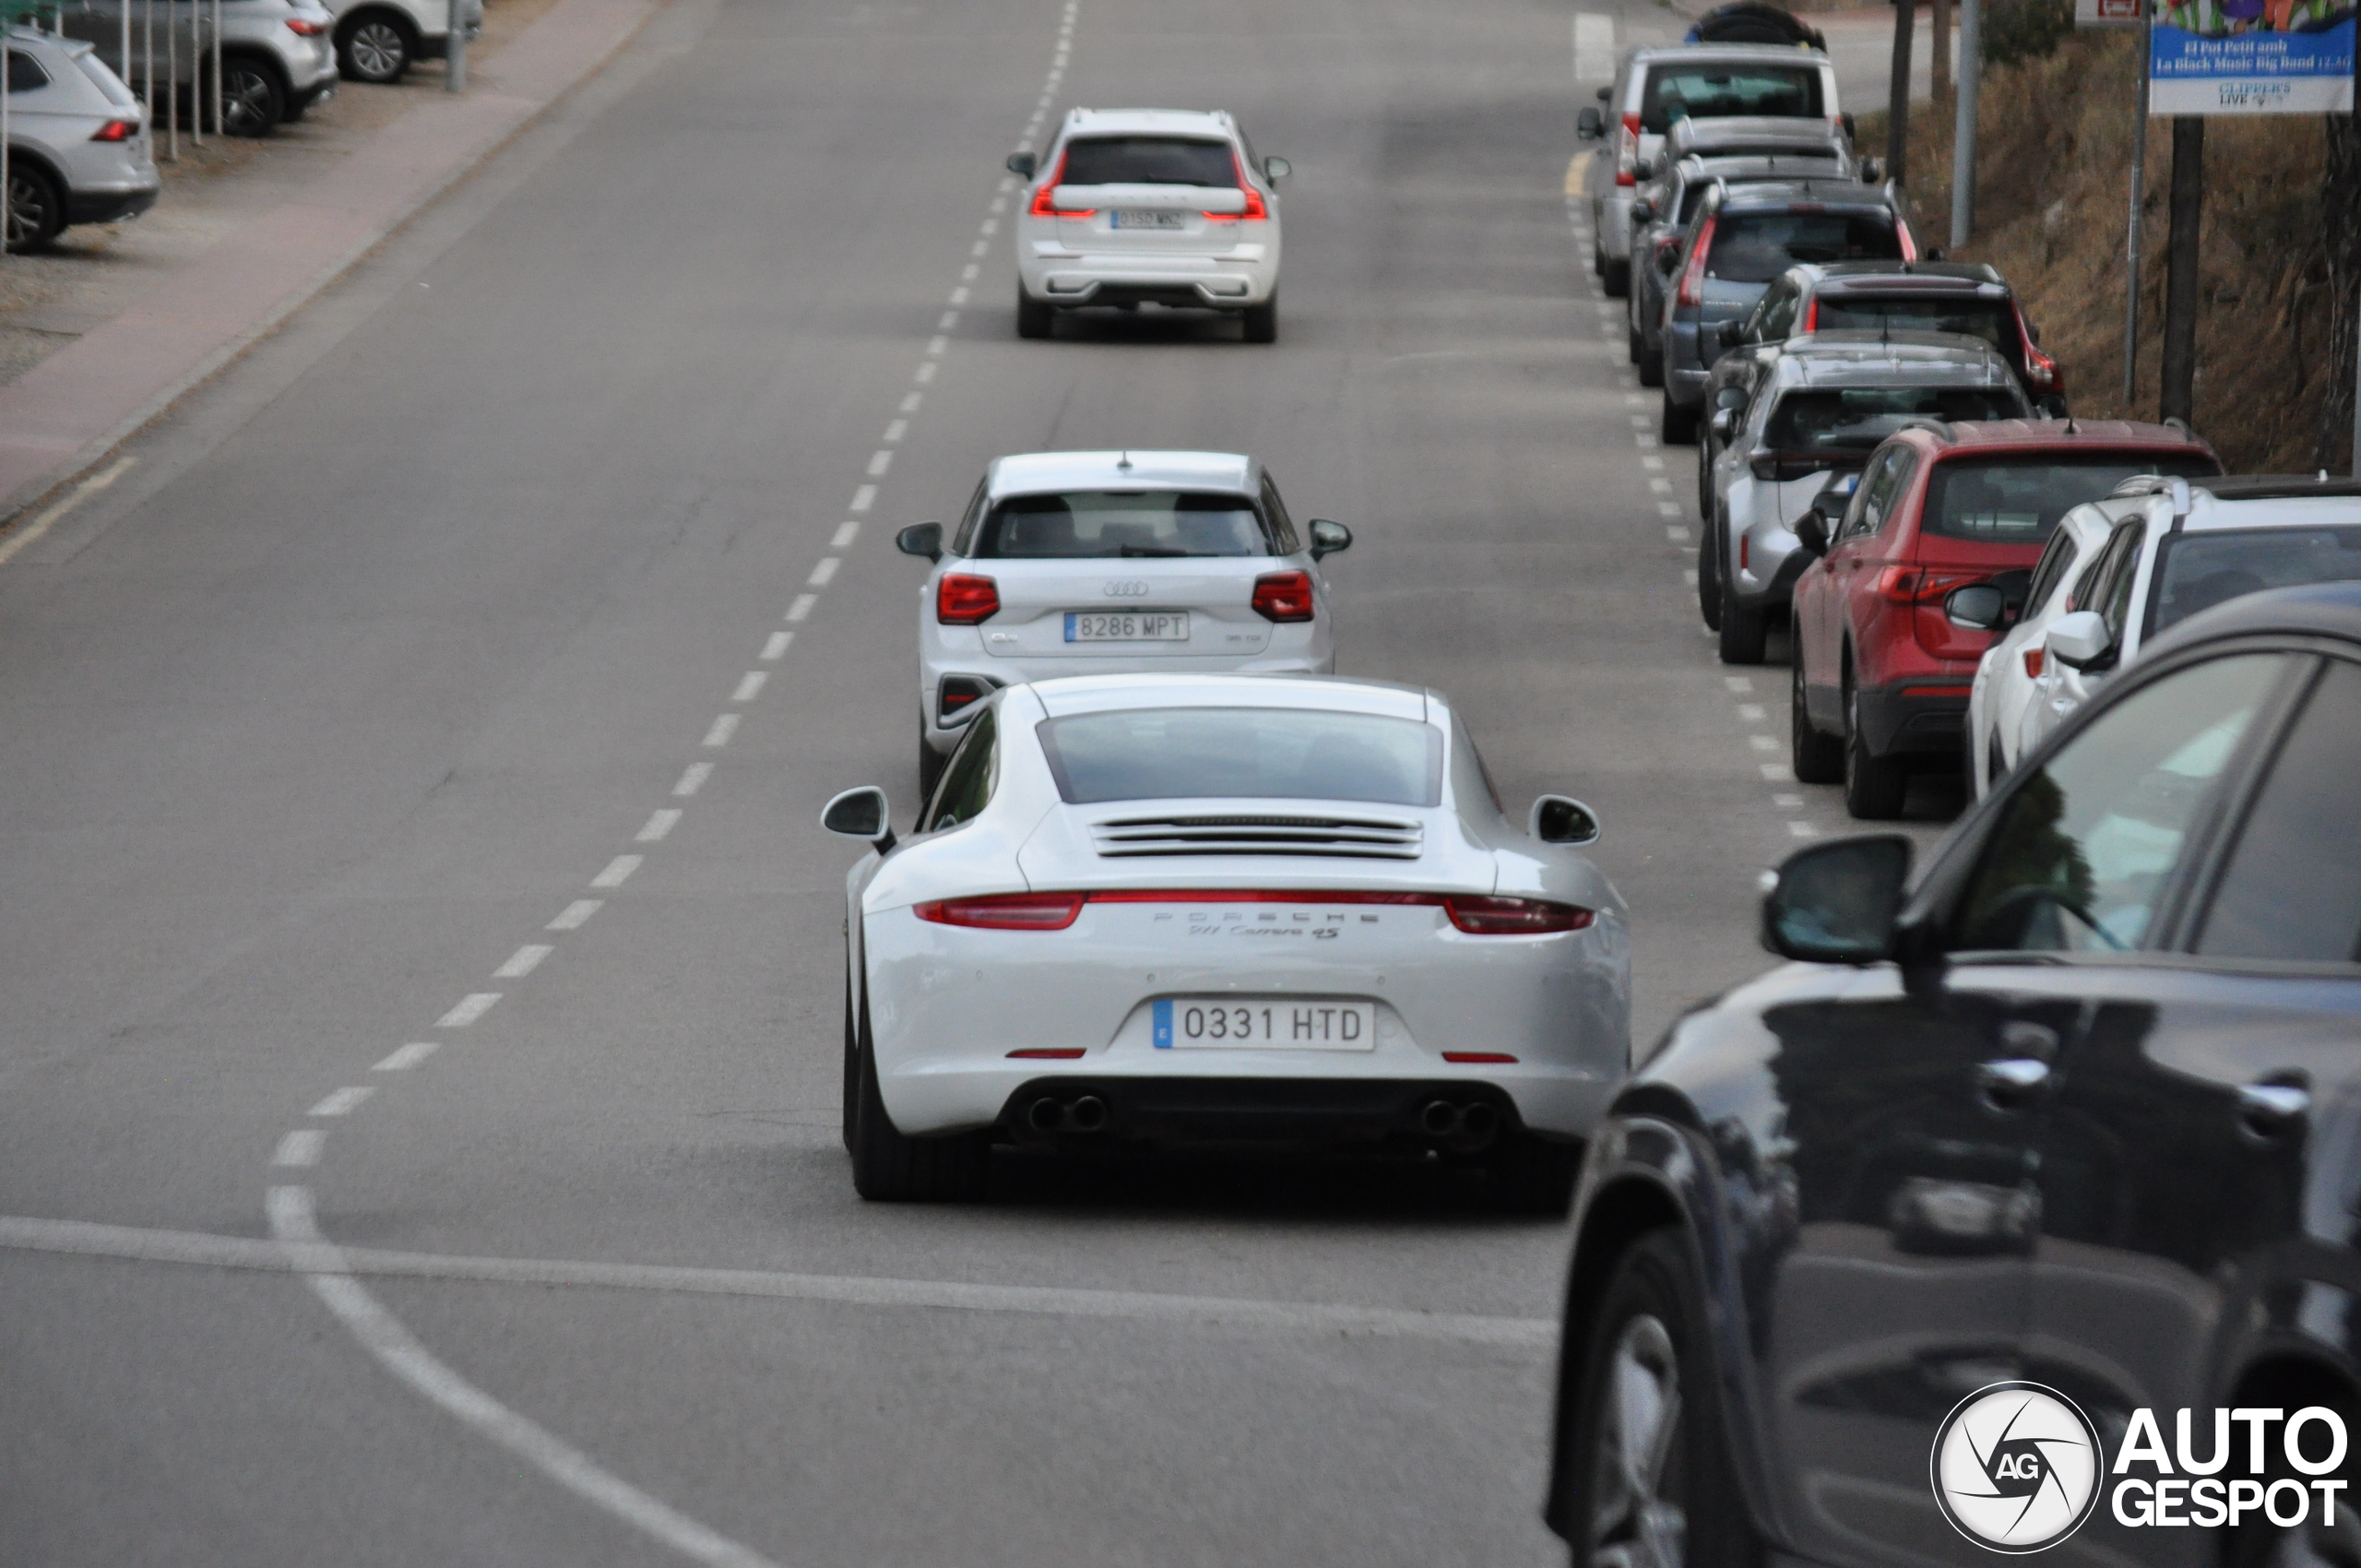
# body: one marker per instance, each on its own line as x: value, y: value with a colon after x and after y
x: 1127, y: 627
x: 1229, y: 1023
x: 1145, y: 218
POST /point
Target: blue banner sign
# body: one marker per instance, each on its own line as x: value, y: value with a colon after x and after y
x: 2251, y: 57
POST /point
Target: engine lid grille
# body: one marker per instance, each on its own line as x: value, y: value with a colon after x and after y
x: 1327, y: 836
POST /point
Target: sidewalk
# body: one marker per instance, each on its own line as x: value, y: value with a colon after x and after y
x: 68, y: 411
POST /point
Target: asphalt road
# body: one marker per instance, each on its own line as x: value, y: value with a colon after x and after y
x: 394, y: 640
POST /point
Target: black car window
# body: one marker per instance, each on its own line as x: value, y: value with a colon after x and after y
x: 25, y: 74
x: 1275, y: 511
x: 1754, y: 248
x: 1091, y: 524
x: 1875, y: 492
x: 2018, y: 501
x: 1778, y: 316
x: 1852, y: 420
x: 1989, y: 321
x: 2293, y: 885
x: 1681, y: 90
x: 2198, y: 571
x: 1166, y: 753
x: 2054, y: 557
x: 2086, y: 843
x: 967, y: 778
x: 2116, y: 559
x: 964, y: 544
x: 1147, y: 160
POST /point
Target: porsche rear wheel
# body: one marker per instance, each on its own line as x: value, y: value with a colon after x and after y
x: 887, y: 1166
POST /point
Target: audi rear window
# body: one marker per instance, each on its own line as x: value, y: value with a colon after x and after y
x: 2198, y: 571
x: 1148, y: 161
x: 1087, y: 524
x: 1851, y: 421
x: 1755, y: 247
x: 1701, y: 92
x: 1993, y: 321
x: 2018, y: 501
x: 1175, y: 754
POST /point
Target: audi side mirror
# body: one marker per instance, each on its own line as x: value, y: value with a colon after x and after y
x: 1812, y: 532
x: 1328, y: 537
x: 1836, y: 903
x: 1561, y: 819
x: 920, y: 538
x: 1977, y: 607
x: 1276, y: 168
x: 1589, y: 124
x: 1023, y: 164
x: 861, y: 813
x: 2080, y: 641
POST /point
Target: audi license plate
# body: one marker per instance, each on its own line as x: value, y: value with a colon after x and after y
x: 1144, y: 217
x: 1226, y: 1023
x: 1127, y: 627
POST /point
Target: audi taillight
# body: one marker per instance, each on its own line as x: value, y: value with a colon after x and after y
x: 116, y: 130
x: 1005, y: 911
x: 1513, y: 917
x: 1283, y: 596
x: 1693, y: 276
x: 962, y: 599
x: 1045, y: 196
x: 1627, y: 151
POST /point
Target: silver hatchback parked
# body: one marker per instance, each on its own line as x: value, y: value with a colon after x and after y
x: 77, y: 141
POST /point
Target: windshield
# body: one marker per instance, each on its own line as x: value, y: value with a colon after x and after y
x: 1148, y: 161
x: 1755, y: 247
x: 1167, y: 754
x: 1704, y: 91
x: 1852, y: 420
x: 2198, y: 571
x: 2005, y: 502
x: 1081, y: 524
x: 1988, y: 321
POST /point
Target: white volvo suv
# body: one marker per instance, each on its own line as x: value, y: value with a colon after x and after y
x: 1135, y: 206
x: 1109, y: 563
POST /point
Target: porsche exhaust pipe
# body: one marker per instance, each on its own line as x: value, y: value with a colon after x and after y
x: 1088, y: 1114
x: 1478, y: 1125
x: 1085, y: 1113
x: 1438, y: 1119
x: 1045, y: 1115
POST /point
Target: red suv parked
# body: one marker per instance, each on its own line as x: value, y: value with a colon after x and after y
x: 1882, y: 668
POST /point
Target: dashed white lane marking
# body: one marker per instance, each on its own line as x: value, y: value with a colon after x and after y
x: 959, y: 295
x: 618, y: 872
x: 980, y: 247
x: 967, y: 273
x: 935, y: 345
x: 472, y: 1007
x: 693, y: 778
x: 825, y: 572
x: 1751, y: 712
x: 847, y: 530
x: 410, y: 1055
x: 400, y: 1353
x: 723, y: 727
x: 750, y: 685
x: 950, y: 320
x: 1677, y: 535
x: 658, y: 824
x: 1762, y: 743
x: 1778, y: 773
x: 1661, y: 486
x: 204, y: 1250
x: 801, y: 606
x: 879, y: 462
x: 866, y: 496
x: 345, y: 1102
x: 300, y: 1148
x: 925, y: 372
x: 524, y: 961
x: 1787, y: 803
x: 1652, y: 463
x: 1667, y: 509
x: 777, y: 645
x: 895, y: 430
x: 1738, y: 683
x: 1802, y: 829
x: 576, y: 915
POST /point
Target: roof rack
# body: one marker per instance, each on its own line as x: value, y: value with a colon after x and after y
x: 2277, y: 487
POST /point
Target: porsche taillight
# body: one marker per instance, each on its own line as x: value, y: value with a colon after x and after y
x: 1513, y: 917
x: 1005, y: 911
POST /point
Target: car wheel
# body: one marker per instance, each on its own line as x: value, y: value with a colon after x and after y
x: 1676, y: 426
x: 36, y: 208
x: 1597, y: 255
x: 1744, y: 629
x: 1261, y: 322
x: 1034, y: 317
x: 1651, y: 1477
x: 1615, y: 279
x: 1709, y: 575
x: 375, y: 47
x: 1874, y: 785
x: 1651, y: 364
x: 1635, y: 342
x: 1816, y: 758
x: 252, y: 100
x: 1531, y: 1175
x: 888, y: 1167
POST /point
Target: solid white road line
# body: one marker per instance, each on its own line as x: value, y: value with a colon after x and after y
x: 408, y: 1056
x: 618, y: 872
x: 693, y: 778
x: 202, y: 1249
x: 400, y: 1352
x: 524, y: 961
x: 847, y: 532
x: 300, y: 1147
x: 575, y: 916
x: 470, y: 1008
x: 658, y: 824
x: 723, y: 727
x: 777, y: 647
x: 344, y: 1101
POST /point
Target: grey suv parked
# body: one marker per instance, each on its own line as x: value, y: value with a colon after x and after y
x: 277, y: 58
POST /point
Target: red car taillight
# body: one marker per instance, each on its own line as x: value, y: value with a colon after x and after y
x: 2033, y: 662
x: 116, y: 130
x: 1045, y: 203
x: 1811, y: 317
x: 1513, y: 917
x: 1283, y: 596
x: 1005, y: 911
x: 961, y: 599
x: 2042, y: 373
x: 304, y: 27
x: 1627, y: 151
x: 1256, y: 209
x: 1908, y: 585
x: 1909, y: 245
x: 1693, y: 276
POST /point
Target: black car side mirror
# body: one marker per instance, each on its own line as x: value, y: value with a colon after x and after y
x: 1022, y: 163
x: 1977, y: 607
x: 1872, y: 172
x: 1836, y: 903
x: 1329, y: 537
x: 1730, y: 333
x: 1812, y: 532
x: 1643, y: 211
x: 1590, y: 125
x: 920, y: 538
x: 1561, y: 819
x: 1646, y: 169
x: 861, y: 813
x: 1852, y: 131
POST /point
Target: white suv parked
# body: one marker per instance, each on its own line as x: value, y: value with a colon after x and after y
x: 77, y: 141
x: 1135, y: 206
x: 277, y: 60
x: 377, y: 40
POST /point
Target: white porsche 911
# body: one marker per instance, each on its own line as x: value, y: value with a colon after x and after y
x: 1216, y: 909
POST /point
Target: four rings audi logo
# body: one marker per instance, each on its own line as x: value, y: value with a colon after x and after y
x: 1125, y: 590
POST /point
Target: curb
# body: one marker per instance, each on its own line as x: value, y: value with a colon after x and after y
x: 73, y: 410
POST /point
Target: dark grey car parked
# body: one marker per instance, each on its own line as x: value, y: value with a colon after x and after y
x: 2079, y: 1106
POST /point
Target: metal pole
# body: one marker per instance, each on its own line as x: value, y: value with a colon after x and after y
x: 1939, y: 54
x: 172, y: 80
x: 1897, y: 120
x: 2131, y: 231
x: 2356, y: 414
x: 1971, y: 83
x: 2178, y: 399
x: 197, y: 71
x: 216, y: 69
x: 7, y: 190
x: 455, y: 52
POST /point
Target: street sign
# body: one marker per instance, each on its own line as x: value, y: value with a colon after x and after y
x: 2107, y: 12
x: 2251, y: 57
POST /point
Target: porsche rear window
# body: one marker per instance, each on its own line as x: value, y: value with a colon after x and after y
x: 1703, y: 91
x: 1083, y: 524
x: 1172, y: 754
x: 1148, y: 161
x: 2004, y: 502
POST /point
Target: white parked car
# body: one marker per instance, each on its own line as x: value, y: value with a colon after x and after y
x: 2188, y: 546
x: 1134, y: 207
x: 277, y: 57
x: 1191, y: 910
x: 1089, y: 563
x: 378, y: 41
x: 77, y: 141
x: 2005, y: 678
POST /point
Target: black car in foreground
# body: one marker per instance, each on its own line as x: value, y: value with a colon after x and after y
x: 2021, y: 1212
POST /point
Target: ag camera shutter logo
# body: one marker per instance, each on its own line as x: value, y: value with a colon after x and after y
x: 2017, y: 1468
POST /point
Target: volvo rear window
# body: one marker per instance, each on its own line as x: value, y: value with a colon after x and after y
x: 1171, y: 753
x: 1083, y: 524
x: 1851, y: 421
x: 2018, y: 501
x: 2198, y: 571
x: 1993, y: 321
x: 1755, y: 247
x: 1148, y: 161
x: 1706, y: 91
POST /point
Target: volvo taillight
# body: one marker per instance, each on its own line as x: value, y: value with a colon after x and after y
x: 1693, y: 276
x: 1005, y: 911
x: 962, y: 599
x: 1256, y: 209
x: 1283, y: 596
x: 1045, y: 196
x: 1627, y: 151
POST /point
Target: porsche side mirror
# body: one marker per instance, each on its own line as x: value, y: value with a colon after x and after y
x: 861, y: 813
x: 1812, y: 532
x: 1561, y: 819
x: 1328, y: 537
x: 2080, y: 641
x: 1730, y: 333
x: 1977, y: 607
x: 1276, y: 168
x: 920, y: 538
x: 1836, y: 903
x: 1589, y: 124
x: 1023, y: 164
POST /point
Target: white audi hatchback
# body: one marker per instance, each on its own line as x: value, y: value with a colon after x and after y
x: 1135, y: 206
x: 1213, y: 911
x: 1087, y: 563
